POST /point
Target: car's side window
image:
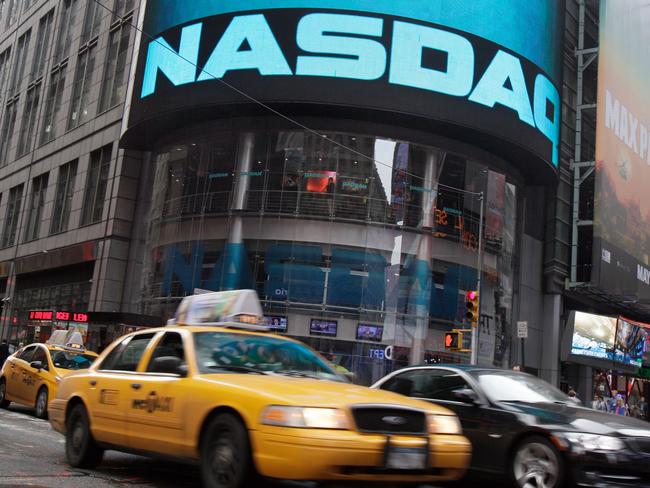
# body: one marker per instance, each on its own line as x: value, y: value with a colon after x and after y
x: 416, y: 383
x: 110, y: 359
x: 171, y: 345
x: 445, y: 383
x: 40, y: 355
x: 126, y: 356
x: 27, y: 354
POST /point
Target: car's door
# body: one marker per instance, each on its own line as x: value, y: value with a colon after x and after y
x: 487, y: 428
x: 16, y: 387
x: 33, y: 378
x: 110, y: 387
x: 155, y: 415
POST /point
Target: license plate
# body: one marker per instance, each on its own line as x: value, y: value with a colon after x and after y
x: 406, y: 458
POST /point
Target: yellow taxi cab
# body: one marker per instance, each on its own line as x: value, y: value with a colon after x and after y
x: 245, y: 403
x: 31, y: 375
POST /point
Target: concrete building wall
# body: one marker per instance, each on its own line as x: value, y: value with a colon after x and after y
x: 110, y: 232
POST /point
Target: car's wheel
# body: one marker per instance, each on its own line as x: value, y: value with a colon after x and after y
x: 41, y: 403
x: 4, y: 403
x: 536, y: 463
x: 226, y: 460
x: 80, y: 448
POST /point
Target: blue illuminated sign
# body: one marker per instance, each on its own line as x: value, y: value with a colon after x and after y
x: 527, y: 27
x: 501, y: 58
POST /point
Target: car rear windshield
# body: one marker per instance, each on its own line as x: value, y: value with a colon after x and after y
x: 71, y: 360
x: 218, y: 352
x: 505, y: 386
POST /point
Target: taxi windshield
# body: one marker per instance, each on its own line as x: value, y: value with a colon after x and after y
x: 71, y: 360
x: 218, y: 352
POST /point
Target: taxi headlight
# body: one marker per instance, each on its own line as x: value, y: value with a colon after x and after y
x: 444, y: 424
x: 305, y: 417
x: 594, y: 442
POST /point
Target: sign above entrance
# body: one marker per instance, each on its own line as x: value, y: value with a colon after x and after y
x: 493, y: 67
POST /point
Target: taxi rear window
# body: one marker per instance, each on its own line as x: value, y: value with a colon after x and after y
x: 71, y: 360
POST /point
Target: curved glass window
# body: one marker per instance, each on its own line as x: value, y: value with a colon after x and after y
x: 347, y: 228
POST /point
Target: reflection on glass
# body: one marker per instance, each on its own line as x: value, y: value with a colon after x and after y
x: 347, y: 227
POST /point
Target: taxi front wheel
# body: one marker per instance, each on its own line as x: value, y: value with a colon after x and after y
x: 80, y: 448
x: 226, y: 460
x: 41, y: 403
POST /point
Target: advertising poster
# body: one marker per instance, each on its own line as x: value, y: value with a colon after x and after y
x: 622, y: 197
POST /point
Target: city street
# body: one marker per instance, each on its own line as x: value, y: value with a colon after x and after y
x: 32, y: 455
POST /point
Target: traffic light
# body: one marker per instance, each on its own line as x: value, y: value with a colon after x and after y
x: 472, y: 305
x: 453, y: 340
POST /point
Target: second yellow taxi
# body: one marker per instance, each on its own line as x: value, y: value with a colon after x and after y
x: 243, y: 403
x: 32, y: 374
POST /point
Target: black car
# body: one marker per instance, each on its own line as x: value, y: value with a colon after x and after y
x: 527, y: 429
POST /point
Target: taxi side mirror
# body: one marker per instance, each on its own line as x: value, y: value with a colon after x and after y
x: 169, y: 365
x: 36, y: 365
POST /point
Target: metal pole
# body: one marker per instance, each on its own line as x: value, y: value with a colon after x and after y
x: 479, y: 269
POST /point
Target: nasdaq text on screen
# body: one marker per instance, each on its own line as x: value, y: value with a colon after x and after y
x: 351, y: 47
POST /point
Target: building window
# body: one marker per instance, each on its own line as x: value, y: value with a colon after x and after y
x: 53, y: 105
x: 80, y: 103
x: 93, y: 208
x: 92, y: 21
x: 63, y: 197
x: 4, y: 68
x: 13, y: 7
x: 69, y: 11
x: 19, y: 63
x: 29, y: 120
x: 8, y: 125
x: 36, y: 204
x: 121, y: 8
x: 42, y: 44
x: 12, y: 215
x: 114, y: 84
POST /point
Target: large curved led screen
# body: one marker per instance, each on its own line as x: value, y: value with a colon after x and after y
x: 470, y: 69
x: 622, y: 203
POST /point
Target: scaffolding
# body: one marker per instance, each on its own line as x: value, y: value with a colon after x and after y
x: 582, y: 169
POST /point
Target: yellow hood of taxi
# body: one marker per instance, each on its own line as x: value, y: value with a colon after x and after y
x: 307, y: 392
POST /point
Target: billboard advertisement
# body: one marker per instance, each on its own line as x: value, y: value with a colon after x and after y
x: 466, y: 69
x: 622, y: 199
x: 604, y: 341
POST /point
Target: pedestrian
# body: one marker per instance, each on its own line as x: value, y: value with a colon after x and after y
x: 516, y: 367
x: 574, y: 396
x: 4, y: 352
x: 611, y: 402
x: 599, y: 404
x: 331, y: 187
x: 620, y: 407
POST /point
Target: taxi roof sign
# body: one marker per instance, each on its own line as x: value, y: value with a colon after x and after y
x: 69, y: 339
x: 234, y: 308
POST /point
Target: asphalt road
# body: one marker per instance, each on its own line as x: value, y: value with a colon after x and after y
x: 32, y: 455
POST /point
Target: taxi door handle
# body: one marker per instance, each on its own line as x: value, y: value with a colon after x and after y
x: 136, y: 386
x: 92, y: 382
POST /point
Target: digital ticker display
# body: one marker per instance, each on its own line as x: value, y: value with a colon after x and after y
x: 492, y: 67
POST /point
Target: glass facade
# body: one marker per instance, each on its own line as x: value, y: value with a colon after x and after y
x: 362, y: 246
